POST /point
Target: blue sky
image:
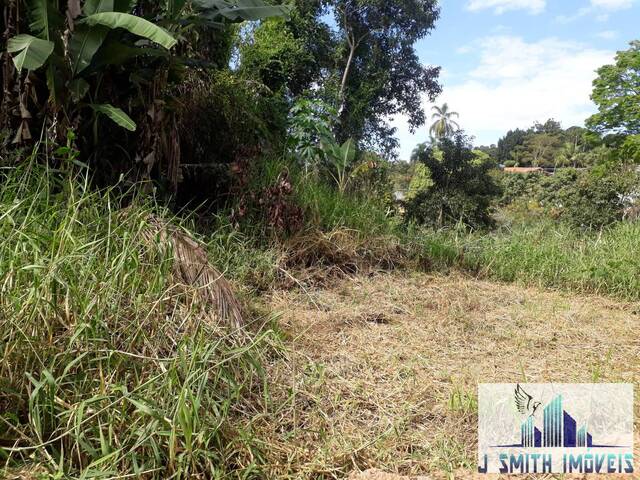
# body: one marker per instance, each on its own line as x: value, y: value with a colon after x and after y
x: 508, y: 63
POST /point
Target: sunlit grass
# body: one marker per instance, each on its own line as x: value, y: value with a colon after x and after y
x: 547, y: 254
x: 107, y: 367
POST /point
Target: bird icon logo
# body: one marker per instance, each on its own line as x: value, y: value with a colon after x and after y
x: 525, y: 402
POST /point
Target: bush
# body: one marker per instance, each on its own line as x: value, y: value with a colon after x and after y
x: 629, y: 151
x: 371, y: 177
x: 462, y: 189
x: 586, y: 199
x: 596, y: 201
x: 312, y: 202
x: 223, y: 118
x: 516, y: 187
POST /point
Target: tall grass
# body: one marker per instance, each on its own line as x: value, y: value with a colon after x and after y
x: 547, y: 254
x: 107, y: 367
x: 324, y: 207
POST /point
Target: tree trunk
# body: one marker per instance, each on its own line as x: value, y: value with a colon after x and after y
x: 345, y: 75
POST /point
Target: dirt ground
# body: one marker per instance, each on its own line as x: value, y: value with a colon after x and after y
x: 381, y: 372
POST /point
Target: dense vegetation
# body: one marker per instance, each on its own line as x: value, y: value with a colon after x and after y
x: 149, y: 150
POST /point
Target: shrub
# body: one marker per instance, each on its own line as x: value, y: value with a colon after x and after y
x: 223, y: 117
x: 585, y: 199
x: 516, y: 187
x: 596, y: 201
x: 462, y: 189
x: 312, y: 201
x: 371, y: 177
x: 629, y: 151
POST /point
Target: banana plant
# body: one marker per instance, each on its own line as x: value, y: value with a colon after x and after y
x: 341, y: 158
x: 80, y: 42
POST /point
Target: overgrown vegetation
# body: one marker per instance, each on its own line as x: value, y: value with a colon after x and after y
x: 152, y: 151
x: 111, y: 363
x: 545, y: 253
x: 460, y: 189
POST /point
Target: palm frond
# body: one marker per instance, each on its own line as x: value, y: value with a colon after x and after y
x: 192, y: 268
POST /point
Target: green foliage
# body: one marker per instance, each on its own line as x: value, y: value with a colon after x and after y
x: 371, y: 177
x: 115, y: 114
x: 462, y: 189
x: 108, y: 367
x: 324, y: 207
x: 585, y: 199
x: 616, y: 92
x: 136, y: 25
x: 548, y: 145
x: 312, y: 142
x: 508, y: 143
x: 420, y: 181
x: 629, y: 151
x: 378, y: 72
x: 328, y: 209
x: 272, y: 55
x: 340, y: 160
x: 31, y: 52
x: 310, y: 125
x: 65, y: 65
x: 223, y: 119
x: 540, y: 149
x: 400, y: 174
x: 443, y: 125
x: 588, y: 200
x: 99, y: 56
x: 517, y: 187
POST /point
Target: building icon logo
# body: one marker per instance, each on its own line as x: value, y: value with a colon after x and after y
x: 568, y: 428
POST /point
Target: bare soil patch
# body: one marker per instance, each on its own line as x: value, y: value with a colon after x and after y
x: 381, y: 372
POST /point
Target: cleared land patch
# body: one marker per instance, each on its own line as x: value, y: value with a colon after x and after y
x: 381, y: 372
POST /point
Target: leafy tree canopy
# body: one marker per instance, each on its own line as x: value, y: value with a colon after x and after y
x: 378, y: 70
x: 616, y: 92
x: 289, y: 54
x: 461, y: 188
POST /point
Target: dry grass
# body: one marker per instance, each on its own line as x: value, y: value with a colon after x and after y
x: 321, y: 257
x: 382, y: 371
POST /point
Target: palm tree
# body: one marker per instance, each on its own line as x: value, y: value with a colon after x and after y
x: 444, y: 126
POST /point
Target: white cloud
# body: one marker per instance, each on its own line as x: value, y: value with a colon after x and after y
x: 607, y: 34
x: 612, y: 4
x: 516, y: 83
x: 501, y: 6
x: 600, y: 8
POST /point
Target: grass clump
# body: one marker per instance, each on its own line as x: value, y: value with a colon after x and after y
x: 109, y: 365
x: 547, y: 254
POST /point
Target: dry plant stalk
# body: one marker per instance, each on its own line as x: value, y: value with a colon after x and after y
x: 191, y: 267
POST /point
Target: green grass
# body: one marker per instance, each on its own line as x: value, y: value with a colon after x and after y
x: 324, y: 207
x: 107, y: 367
x: 546, y: 254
